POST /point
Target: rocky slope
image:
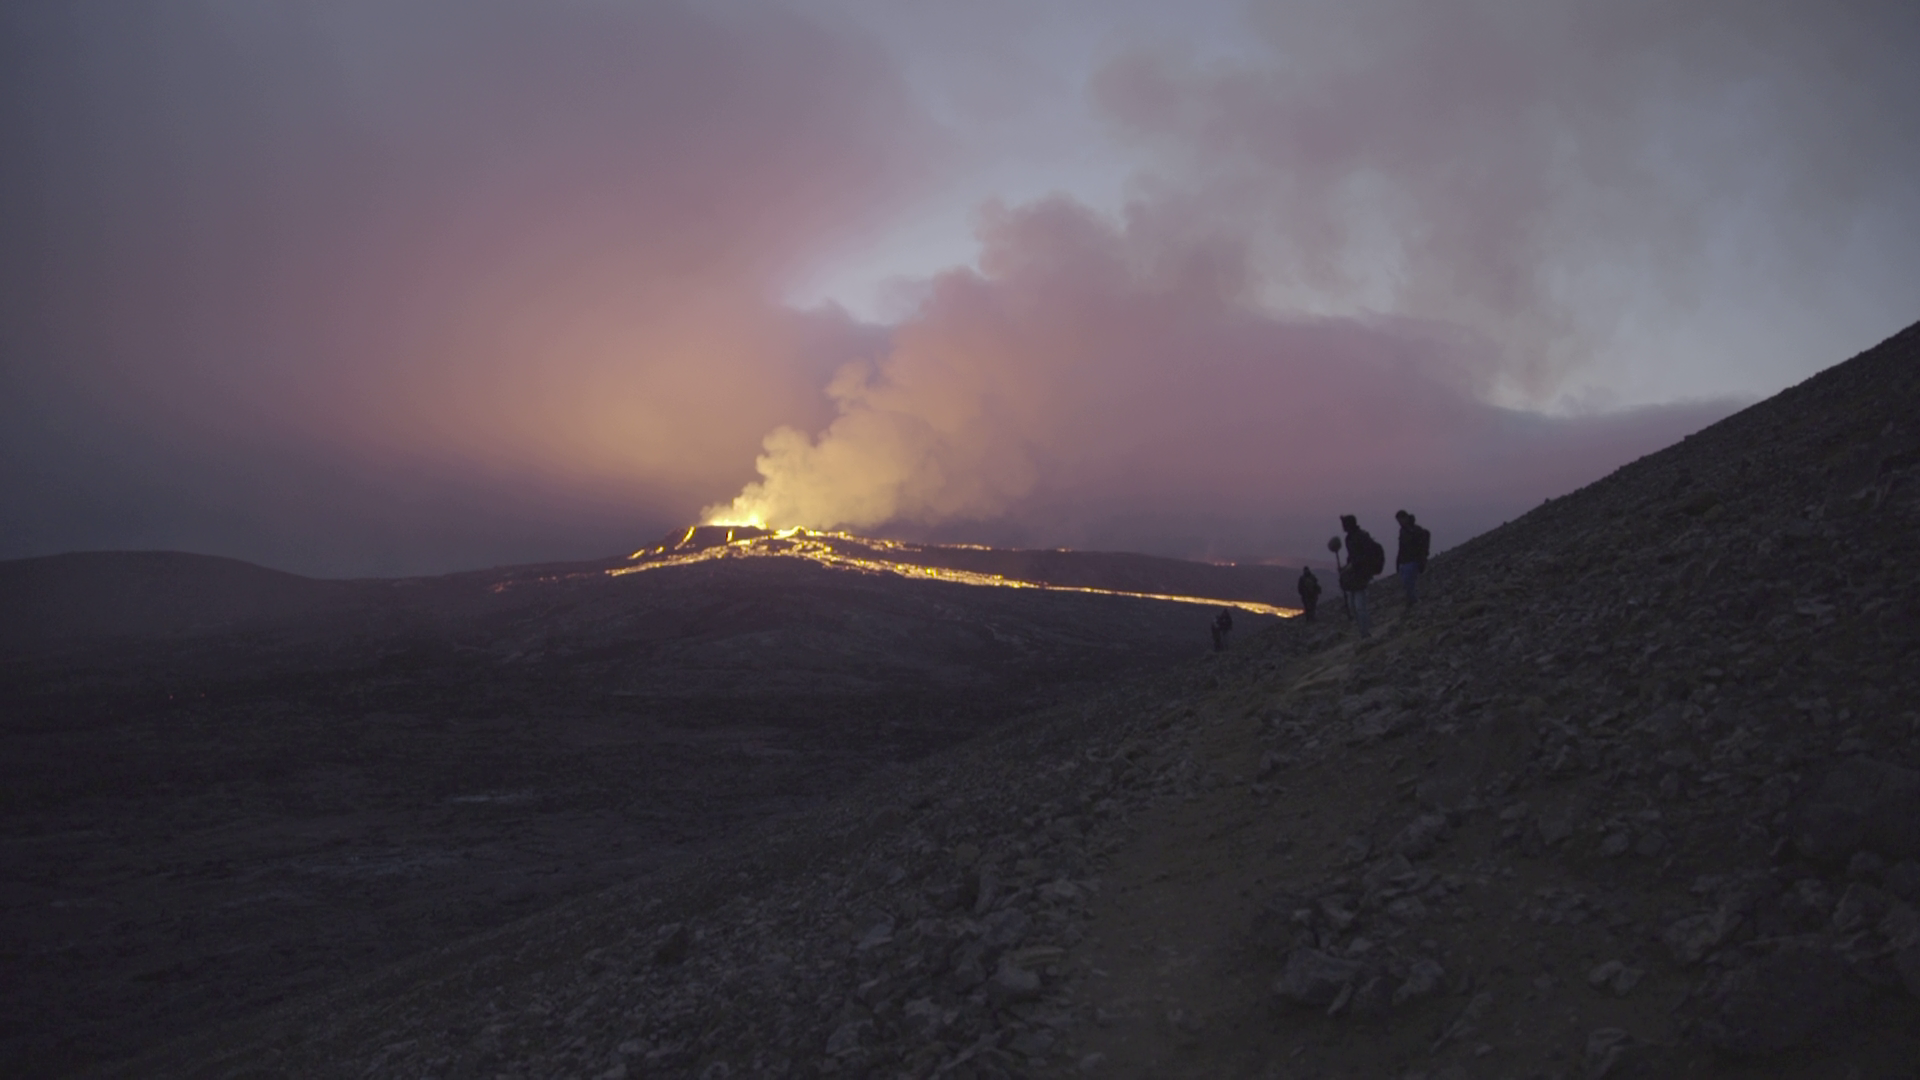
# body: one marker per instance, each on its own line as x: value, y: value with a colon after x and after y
x: 199, y: 818
x: 1634, y: 791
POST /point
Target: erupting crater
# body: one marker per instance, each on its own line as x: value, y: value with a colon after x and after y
x: 1248, y: 588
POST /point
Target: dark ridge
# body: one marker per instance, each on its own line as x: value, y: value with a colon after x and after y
x: 58, y: 598
x: 1830, y: 435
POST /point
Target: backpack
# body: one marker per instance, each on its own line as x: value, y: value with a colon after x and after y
x: 1369, y: 558
x: 1422, y: 543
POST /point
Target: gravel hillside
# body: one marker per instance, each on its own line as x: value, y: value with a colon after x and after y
x: 1634, y: 791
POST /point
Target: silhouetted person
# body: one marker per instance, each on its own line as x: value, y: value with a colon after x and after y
x: 1222, y: 626
x: 1410, y: 560
x: 1309, y: 587
x: 1365, y: 559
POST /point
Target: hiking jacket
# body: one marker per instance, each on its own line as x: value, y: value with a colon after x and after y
x: 1364, y: 559
x: 1414, y: 541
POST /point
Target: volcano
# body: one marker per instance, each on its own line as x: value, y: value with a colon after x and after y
x: 1256, y: 588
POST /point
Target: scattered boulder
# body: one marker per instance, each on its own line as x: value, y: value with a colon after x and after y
x: 1387, y: 872
x: 1553, y: 828
x: 1616, y: 976
x: 675, y: 941
x: 1693, y: 937
x: 848, y: 1036
x: 1005, y: 928
x: 1371, y: 994
x: 1604, y: 1048
x: 1424, y: 980
x: 969, y: 966
x: 1314, y: 979
x: 876, y: 935
x: 1859, y: 907
x: 1420, y: 838
x: 1012, y: 982
x: 1337, y: 911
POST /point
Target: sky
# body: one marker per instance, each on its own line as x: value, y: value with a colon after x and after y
x: 372, y: 288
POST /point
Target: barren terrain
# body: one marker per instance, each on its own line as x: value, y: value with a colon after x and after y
x: 225, y: 787
x: 1633, y: 791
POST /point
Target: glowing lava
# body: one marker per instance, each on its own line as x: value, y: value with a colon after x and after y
x: 843, y: 551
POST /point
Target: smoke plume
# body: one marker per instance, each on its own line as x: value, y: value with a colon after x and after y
x: 1100, y: 382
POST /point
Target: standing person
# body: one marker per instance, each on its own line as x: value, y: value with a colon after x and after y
x: 1410, y: 560
x: 1222, y: 627
x: 1365, y: 559
x: 1309, y: 587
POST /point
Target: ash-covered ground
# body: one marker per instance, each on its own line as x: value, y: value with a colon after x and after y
x: 226, y: 787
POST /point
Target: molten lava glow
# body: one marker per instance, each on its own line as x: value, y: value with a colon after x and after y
x: 844, y: 551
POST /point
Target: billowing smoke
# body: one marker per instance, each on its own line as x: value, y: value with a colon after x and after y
x: 1096, y: 382
x: 1385, y: 255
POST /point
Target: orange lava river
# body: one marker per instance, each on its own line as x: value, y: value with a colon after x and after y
x: 706, y: 543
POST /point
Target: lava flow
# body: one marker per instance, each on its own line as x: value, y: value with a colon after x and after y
x: 1059, y: 570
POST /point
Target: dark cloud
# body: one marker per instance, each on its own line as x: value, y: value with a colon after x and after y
x: 1554, y: 174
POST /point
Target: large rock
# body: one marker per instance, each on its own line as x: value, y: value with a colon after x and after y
x: 1419, y: 839
x: 675, y: 941
x: 1693, y: 937
x: 1391, y: 870
x: 1005, y: 928
x: 1423, y: 980
x: 1313, y: 978
x: 1860, y: 804
x: 1011, y: 982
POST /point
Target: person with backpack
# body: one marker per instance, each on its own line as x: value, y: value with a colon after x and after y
x: 1309, y: 587
x: 1410, y: 561
x: 1365, y: 559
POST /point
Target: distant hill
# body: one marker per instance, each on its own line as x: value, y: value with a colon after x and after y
x: 151, y: 593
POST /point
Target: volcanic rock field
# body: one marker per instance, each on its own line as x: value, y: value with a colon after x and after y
x: 284, y: 783
x: 1634, y: 791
